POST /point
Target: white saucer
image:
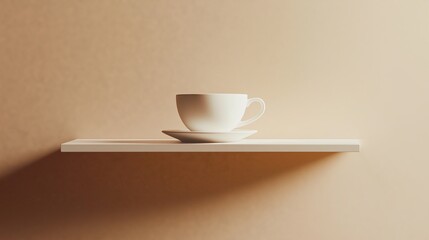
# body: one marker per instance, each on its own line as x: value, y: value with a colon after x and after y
x: 209, y: 137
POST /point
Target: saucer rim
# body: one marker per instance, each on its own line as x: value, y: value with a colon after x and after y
x: 234, y: 131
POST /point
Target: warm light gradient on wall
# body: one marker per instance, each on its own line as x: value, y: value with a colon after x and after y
x: 111, y: 69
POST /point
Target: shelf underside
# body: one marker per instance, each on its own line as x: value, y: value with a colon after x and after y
x: 248, y: 145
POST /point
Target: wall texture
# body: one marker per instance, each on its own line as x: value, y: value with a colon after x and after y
x: 111, y: 69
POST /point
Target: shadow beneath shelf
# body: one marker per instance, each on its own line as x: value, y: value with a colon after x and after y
x: 68, y: 187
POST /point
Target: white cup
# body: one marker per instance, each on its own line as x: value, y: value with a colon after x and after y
x: 217, y: 112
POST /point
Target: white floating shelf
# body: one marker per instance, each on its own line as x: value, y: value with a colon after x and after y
x: 248, y: 145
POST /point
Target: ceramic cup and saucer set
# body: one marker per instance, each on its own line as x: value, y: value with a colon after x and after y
x: 213, y: 118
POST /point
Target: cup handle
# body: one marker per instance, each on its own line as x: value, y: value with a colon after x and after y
x: 257, y: 116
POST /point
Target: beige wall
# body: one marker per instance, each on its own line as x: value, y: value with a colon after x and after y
x: 110, y: 69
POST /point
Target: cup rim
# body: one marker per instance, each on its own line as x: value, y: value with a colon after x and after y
x: 209, y: 94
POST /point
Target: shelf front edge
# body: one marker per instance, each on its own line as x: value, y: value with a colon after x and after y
x: 251, y: 145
